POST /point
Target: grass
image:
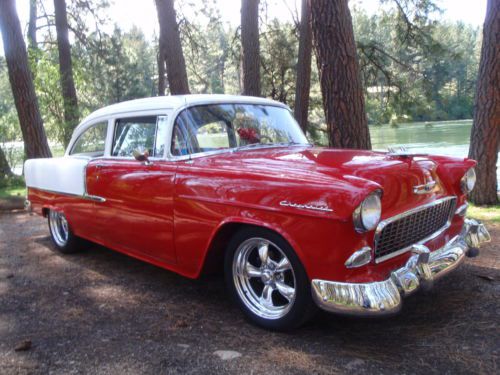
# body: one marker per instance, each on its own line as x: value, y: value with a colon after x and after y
x: 12, y: 187
x: 490, y: 214
x: 12, y: 192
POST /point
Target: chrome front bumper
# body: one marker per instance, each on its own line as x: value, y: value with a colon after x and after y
x: 385, y: 297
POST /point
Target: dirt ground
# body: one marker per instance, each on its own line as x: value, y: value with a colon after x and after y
x: 100, y: 312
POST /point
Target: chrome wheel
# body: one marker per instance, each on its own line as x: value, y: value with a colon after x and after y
x: 59, y: 228
x: 264, y: 278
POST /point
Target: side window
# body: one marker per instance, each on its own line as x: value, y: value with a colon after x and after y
x: 92, y: 142
x: 140, y: 133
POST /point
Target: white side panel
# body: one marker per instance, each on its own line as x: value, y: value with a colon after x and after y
x: 62, y: 175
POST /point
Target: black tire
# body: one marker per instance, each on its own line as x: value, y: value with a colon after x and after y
x: 291, y: 313
x: 62, y: 236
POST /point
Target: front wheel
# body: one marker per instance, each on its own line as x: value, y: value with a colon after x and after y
x: 62, y: 236
x: 267, y: 279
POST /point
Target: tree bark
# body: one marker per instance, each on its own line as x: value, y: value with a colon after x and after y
x: 161, y: 71
x: 339, y: 74
x: 23, y: 90
x: 70, y: 100
x: 171, y: 48
x: 5, y: 170
x: 485, y: 134
x: 250, y: 47
x: 32, y: 25
x: 303, y: 85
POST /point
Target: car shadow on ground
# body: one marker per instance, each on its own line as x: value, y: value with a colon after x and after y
x: 103, y: 310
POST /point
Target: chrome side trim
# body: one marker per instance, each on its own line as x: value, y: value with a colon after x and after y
x: 419, y: 272
x: 94, y: 198
x: 385, y: 222
x: 306, y: 206
x: 86, y: 196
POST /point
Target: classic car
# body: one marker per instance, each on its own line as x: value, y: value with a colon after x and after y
x: 207, y: 183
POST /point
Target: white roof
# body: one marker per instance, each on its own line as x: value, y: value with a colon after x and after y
x: 173, y: 102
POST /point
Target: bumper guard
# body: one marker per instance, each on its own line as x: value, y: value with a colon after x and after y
x: 420, y: 271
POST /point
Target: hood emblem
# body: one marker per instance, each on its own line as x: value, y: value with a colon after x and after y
x: 427, y: 188
x: 306, y: 206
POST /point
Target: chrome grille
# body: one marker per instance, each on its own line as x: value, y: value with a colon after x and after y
x: 397, y: 234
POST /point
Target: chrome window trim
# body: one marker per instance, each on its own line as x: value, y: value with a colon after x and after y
x: 387, y: 221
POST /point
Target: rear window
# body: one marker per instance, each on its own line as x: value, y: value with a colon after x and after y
x: 92, y: 142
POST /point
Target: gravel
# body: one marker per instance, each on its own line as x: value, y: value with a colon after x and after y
x: 100, y: 312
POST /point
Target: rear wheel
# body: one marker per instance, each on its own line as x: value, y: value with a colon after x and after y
x: 267, y: 279
x: 62, y: 236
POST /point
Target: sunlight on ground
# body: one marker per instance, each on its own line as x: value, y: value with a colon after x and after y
x: 491, y: 214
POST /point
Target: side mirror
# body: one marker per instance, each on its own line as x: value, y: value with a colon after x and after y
x: 142, y: 156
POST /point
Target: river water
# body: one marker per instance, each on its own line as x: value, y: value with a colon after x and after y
x: 441, y: 138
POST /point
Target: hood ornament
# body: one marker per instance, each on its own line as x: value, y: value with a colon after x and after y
x: 403, y: 152
x: 425, y: 188
x: 398, y: 151
x: 430, y: 185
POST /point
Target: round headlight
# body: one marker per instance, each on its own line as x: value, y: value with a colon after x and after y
x: 367, y: 215
x: 468, y: 181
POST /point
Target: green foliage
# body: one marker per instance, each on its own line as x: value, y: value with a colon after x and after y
x: 12, y: 182
x: 413, y: 67
x: 279, y: 47
x: 12, y: 187
x: 211, y: 50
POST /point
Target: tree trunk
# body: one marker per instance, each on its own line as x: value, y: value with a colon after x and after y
x: 161, y: 71
x: 339, y: 74
x: 485, y: 134
x: 170, y: 46
x: 304, y: 67
x: 5, y: 170
x: 23, y: 90
x: 32, y: 25
x: 71, y: 115
x: 250, y: 47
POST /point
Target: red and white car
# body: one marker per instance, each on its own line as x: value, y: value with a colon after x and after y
x: 204, y: 182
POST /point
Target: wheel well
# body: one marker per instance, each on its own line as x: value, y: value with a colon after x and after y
x: 214, y: 260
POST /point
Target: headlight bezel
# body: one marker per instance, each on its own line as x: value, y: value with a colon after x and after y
x: 468, y: 181
x: 365, y: 221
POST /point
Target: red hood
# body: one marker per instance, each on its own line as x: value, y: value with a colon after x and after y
x: 396, y: 176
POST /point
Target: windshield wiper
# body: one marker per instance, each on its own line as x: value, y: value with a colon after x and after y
x: 266, y: 145
x: 254, y: 145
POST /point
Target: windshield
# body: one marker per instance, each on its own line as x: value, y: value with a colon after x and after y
x: 228, y: 126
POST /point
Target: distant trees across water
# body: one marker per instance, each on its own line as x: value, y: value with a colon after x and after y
x: 337, y: 67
